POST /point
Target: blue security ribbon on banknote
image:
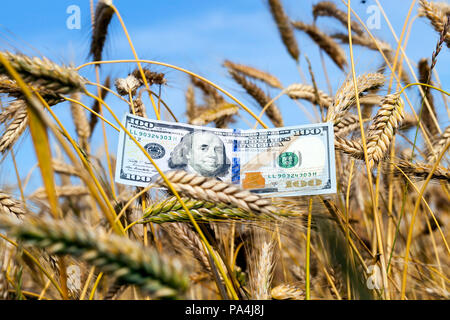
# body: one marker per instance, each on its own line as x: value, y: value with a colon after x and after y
x: 287, y: 161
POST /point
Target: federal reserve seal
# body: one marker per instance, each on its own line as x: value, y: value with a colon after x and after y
x: 155, y: 150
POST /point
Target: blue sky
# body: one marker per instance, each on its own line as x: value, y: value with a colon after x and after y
x: 199, y: 36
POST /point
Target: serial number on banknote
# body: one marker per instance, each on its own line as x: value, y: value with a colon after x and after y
x: 288, y: 161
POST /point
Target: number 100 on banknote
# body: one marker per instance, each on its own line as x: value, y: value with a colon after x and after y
x: 288, y: 161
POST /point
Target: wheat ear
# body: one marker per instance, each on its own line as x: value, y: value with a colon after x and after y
x: 254, y: 73
x: 346, y: 97
x: 10, y: 205
x: 45, y: 73
x: 427, y: 116
x: 3, y: 286
x: 215, y: 113
x: 102, y: 18
x: 191, y: 240
x: 287, y: 292
x: 325, y: 42
x: 10, y: 112
x: 213, y: 190
x: 382, y: 130
x: 61, y: 167
x: 61, y: 191
x: 80, y: 120
x: 350, y: 147
x: 437, y: 15
x: 307, y: 92
x: 152, y: 77
x: 118, y: 256
x: 439, y: 145
x: 261, y: 278
x: 348, y: 124
x: 14, y: 130
x: 258, y: 94
x: 421, y: 170
x: 284, y: 28
x: 11, y: 88
x: 329, y: 9
x: 97, y: 106
x: 126, y: 85
x: 170, y: 210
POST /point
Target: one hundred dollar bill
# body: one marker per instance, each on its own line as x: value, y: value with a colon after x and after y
x: 288, y: 161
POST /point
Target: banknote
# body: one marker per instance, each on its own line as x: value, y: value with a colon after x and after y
x: 287, y: 161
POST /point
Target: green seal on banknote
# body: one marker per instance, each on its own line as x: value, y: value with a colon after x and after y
x: 287, y: 160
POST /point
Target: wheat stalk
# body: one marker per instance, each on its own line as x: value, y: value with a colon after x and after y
x: 263, y: 272
x: 284, y: 28
x: 350, y: 147
x: 10, y: 111
x: 437, y: 15
x: 374, y: 44
x: 253, y: 90
x: 348, y: 124
x: 97, y: 106
x: 118, y: 256
x: 427, y: 115
x: 213, y: 114
x: 3, y: 286
x: 346, y: 97
x: 383, y: 127
x: 307, y: 92
x: 10, y: 205
x: 191, y: 107
x: 325, y: 42
x: 329, y: 9
x: 170, y: 210
x: 408, y: 122
x: 126, y: 85
x: 102, y: 18
x: 152, y: 77
x: 14, y: 130
x: 208, y: 90
x: 45, y: 73
x: 64, y: 168
x: 80, y: 120
x: 213, y: 190
x: 421, y: 170
x: 364, y: 41
x: 191, y: 240
x: 254, y: 73
x: 61, y: 191
x: 11, y: 88
x: 139, y: 107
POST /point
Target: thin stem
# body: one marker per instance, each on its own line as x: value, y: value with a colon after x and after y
x: 363, y: 138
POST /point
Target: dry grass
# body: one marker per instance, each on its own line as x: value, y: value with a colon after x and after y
x: 130, y: 243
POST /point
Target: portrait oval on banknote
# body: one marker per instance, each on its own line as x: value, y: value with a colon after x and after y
x: 201, y: 152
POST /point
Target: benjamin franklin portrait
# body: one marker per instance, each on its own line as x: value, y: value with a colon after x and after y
x: 202, y: 153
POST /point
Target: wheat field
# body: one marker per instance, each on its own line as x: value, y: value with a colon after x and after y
x: 383, y: 235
